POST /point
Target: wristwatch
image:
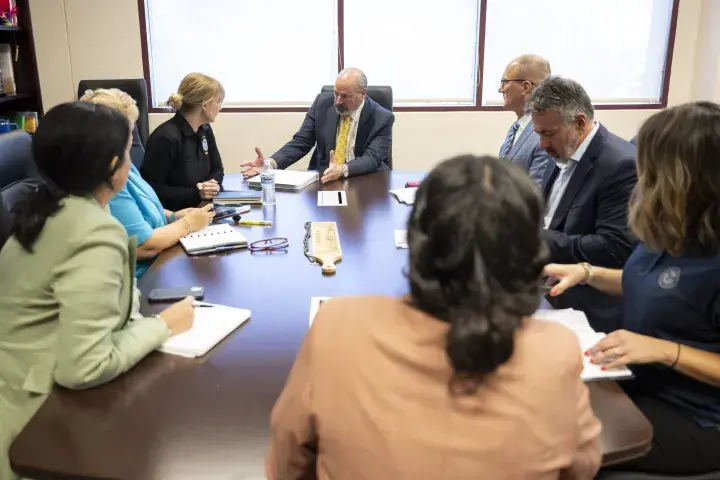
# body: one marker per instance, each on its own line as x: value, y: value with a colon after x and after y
x: 345, y: 170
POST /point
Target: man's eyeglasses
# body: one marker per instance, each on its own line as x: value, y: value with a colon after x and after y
x: 504, y: 81
x: 269, y: 245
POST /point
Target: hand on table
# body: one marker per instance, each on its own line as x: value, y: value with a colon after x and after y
x: 334, y: 171
x: 179, y: 316
x: 208, y: 189
x: 199, y: 218
x: 254, y: 167
x: 568, y: 276
x: 622, y: 347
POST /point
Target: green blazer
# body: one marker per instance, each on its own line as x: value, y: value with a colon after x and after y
x: 68, y: 313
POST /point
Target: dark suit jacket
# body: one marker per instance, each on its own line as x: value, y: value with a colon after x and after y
x: 590, y: 223
x: 527, y: 154
x: 372, y: 145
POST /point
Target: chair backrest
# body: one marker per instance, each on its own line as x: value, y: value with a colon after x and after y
x: 18, y: 173
x: 136, y: 88
x: 634, y: 140
x: 383, y: 96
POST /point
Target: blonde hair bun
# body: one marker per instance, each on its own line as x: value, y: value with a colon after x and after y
x: 175, y: 101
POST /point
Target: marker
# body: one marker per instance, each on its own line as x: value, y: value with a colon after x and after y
x: 256, y: 223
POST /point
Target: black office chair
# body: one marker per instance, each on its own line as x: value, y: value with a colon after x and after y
x: 136, y: 88
x: 18, y: 173
x: 618, y: 475
x: 383, y: 95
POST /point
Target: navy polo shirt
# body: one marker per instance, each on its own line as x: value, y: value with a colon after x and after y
x: 675, y: 299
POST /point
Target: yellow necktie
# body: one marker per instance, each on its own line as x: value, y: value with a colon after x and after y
x: 342, y: 140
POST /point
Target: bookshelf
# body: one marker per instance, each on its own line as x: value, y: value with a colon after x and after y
x: 22, y: 48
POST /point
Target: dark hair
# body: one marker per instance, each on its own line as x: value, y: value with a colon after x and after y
x: 73, y: 148
x: 676, y: 202
x: 476, y: 257
x: 563, y: 95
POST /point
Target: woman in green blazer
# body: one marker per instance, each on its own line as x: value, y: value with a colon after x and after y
x: 68, y: 303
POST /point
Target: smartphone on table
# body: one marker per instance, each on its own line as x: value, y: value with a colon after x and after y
x: 176, y: 294
x: 225, y: 212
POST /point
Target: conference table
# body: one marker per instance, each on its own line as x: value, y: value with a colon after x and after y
x: 179, y: 418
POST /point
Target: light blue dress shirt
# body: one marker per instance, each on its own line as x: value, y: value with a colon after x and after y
x: 139, y: 209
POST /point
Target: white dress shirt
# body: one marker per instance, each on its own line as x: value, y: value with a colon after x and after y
x: 352, y: 133
x: 565, y: 174
x: 522, y: 122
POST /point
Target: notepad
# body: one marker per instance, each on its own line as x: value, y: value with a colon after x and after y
x: 245, y: 197
x: 315, y: 303
x: 290, y: 180
x: 211, y: 325
x: 401, y: 239
x: 212, y: 239
x: 405, y: 195
x: 577, y: 322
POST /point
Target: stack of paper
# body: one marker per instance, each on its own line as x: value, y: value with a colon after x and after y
x: 405, y: 195
x: 401, y: 239
x: 212, y: 324
x: 577, y: 322
x: 289, y: 180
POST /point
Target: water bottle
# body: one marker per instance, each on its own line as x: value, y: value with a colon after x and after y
x: 267, y: 180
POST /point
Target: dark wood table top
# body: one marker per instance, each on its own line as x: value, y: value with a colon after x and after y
x: 172, y: 417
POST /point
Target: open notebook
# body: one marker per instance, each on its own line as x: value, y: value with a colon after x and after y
x: 212, y: 239
x: 578, y: 323
x: 212, y: 324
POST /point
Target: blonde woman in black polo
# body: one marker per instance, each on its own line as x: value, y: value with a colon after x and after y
x: 182, y: 162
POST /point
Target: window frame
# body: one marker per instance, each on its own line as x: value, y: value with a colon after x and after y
x: 478, y: 107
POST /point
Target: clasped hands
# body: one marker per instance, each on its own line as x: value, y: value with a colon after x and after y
x: 621, y: 347
x: 208, y: 189
x: 254, y: 167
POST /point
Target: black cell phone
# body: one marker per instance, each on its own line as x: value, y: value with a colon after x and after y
x: 175, y: 294
x: 221, y: 213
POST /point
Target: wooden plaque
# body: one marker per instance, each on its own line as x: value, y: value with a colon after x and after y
x: 325, y: 245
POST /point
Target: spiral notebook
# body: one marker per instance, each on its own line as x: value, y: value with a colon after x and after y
x: 212, y: 239
x: 211, y: 325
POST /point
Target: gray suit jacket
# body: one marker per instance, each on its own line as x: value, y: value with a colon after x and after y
x: 527, y: 154
x: 68, y: 313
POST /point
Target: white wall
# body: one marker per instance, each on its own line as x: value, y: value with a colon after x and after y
x: 85, y: 39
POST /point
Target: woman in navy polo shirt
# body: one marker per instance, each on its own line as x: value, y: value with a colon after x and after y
x: 671, y: 288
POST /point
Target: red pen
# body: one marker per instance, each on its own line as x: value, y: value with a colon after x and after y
x: 412, y: 184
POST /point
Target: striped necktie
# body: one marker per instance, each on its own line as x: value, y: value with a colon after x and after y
x: 508, y: 143
x: 342, y: 140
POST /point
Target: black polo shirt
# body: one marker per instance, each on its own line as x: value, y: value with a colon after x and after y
x: 676, y: 299
x: 177, y: 159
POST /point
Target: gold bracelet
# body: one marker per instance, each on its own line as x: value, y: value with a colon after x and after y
x: 589, y: 274
x: 189, y: 226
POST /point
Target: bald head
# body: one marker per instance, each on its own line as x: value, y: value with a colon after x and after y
x: 520, y: 78
x: 350, y: 90
x: 532, y: 67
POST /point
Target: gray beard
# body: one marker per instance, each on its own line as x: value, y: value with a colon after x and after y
x: 342, y: 111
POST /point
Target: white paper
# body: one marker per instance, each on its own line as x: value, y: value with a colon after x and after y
x: 315, y: 303
x: 401, y: 239
x: 211, y: 325
x: 332, y: 198
x: 289, y: 179
x: 577, y: 322
x: 405, y: 195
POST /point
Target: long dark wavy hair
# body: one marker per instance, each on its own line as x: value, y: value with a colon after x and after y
x: 676, y: 201
x: 476, y: 258
x: 74, y: 148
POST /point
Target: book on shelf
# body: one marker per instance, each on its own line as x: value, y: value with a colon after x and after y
x: 6, y: 67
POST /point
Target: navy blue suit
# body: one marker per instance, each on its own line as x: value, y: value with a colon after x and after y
x: 372, y: 144
x: 591, y: 223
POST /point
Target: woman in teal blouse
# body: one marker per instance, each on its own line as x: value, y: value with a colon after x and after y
x: 137, y: 206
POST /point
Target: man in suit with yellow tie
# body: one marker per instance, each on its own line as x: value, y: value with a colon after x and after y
x: 351, y: 133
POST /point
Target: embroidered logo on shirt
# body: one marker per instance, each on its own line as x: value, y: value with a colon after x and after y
x: 669, y: 278
x: 205, y: 145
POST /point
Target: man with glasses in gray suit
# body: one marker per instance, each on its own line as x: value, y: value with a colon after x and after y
x: 521, y: 146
